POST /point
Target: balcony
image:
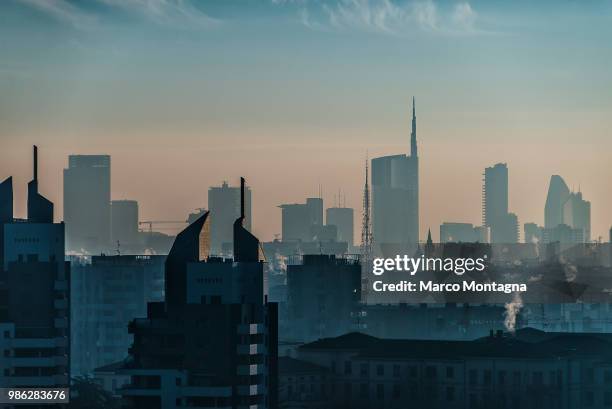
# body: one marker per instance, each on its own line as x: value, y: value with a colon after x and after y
x: 251, y: 349
x: 251, y: 390
x: 251, y: 369
x: 251, y: 329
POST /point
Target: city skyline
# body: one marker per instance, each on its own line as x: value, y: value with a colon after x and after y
x: 472, y: 204
x: 293, y: 95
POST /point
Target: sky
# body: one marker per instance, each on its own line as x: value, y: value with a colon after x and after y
x: 295, y: 94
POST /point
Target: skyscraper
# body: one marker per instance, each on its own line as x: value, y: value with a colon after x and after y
x: 124, y: 216
x: 87, y: 211
x: 302, y: 221
x: 34, y: 294
x: 567, y: 216
x: 577, y: 214
x: 213, y: 341
x: 342, y: 218
x: 224, y: 204
x: 558, y: 193
x: 503, y: 225
x: 395, y: 196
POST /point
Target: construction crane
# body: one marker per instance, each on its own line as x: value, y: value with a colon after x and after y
x: 151, y: 222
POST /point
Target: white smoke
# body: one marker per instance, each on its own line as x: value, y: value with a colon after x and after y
x: 569, y: 269
x: 512, y: 310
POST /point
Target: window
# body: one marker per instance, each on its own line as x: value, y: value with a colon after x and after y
x: 608, y: 376
x: 348, y: 369
x: 396, y: 371
x: 364, y: 370
x: 397, y: 391
x: 589, y: 399
x: 473, y: 377
x: 607, y: 399
x: 450, y: 372
x: 450, y: 394
x: 516, y: 378
x: 486, y: 377
x: 363, y: 390
x: 538, y: 378
x: 347, y: 390
x: 590, y: 375
x: 380, y: 370
x: 430, y: 372
x: 380, y: 391
x: 501, y: 377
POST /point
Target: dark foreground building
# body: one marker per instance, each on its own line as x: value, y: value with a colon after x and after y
x: 528, y: 369
x: 213, y: 342
x: 34, y: 293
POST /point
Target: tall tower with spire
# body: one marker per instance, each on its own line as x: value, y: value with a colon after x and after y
x: 395, y: 198
x: 413, y: 137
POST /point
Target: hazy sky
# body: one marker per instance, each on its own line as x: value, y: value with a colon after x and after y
x: 291, y: 94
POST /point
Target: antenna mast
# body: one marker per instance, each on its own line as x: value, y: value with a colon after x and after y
x: 366, y: 237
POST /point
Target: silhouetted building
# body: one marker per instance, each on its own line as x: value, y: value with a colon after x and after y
x: 526, y: 369
x: 558, y: 193
x: 577, y: 214
x: 395, y: 197
x: 462, y: 233
x: 302, y: 221
x: 303, y: 384
x: 323, y: 296
x: 503, y: 225
x: 564, y: 234
x: 34, y: 294
x: 106, y: 295
x: 224, y: 204
x: 124, y: 230
x: 213, y: 342
x: 342, y: 218
x: 567, y: 216
x: 87, y: 203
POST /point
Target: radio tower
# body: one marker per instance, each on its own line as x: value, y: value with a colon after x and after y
x: 366, y: 238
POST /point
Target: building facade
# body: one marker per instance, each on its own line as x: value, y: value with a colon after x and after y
x: 502, y: 224
x: 224, y: 204
x: 34, y: 294
x: 213, y: 341
x: 87, y: 181
x: 106, y: 295
x: 323, y: 297
x: 395, y: 198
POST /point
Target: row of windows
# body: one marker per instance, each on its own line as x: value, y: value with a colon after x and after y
x: 474, y: 376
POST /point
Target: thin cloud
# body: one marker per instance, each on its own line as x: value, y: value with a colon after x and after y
x: 181, y: 14
x: 63, y: 11
x: 387, y: 16
x: 172, y: 13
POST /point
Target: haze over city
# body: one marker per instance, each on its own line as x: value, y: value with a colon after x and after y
x: 293, y: 94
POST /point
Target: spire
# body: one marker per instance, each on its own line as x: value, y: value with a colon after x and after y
x: 413, y: 140
x: 35, y: 163
x: 366, y: 236
x: 429, y: 240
